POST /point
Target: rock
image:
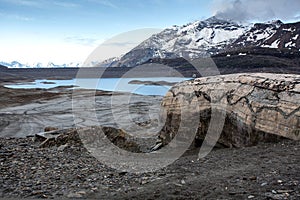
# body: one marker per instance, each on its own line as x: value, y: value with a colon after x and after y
x: 39, y: 138
x: 59, y: 138
x: 252, y: 178
x: 93, y: 136
x: 121, y: 139
x: 257, y: 107
x: 73, y: 137
x: 264, y: 184
x: 81, y: 193
x: 74, y: 195
x: 49, y: 142
x: 138, y: 82
x: 285, y: 191
x: 23, y: 145
x: 49, y: 128
x: 277, y: 196
x: 62, y: 147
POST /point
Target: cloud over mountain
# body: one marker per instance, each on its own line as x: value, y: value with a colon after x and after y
x: 244, y: 10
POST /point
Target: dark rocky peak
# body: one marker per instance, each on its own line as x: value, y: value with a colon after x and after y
x: 2, y: 67
x: 217, y: 23
x: 275, y: 22
x: 216, y: 20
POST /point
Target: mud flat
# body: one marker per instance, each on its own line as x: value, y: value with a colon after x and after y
x: 25, y: 112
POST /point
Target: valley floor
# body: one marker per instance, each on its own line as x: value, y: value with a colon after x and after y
x: 266, y: 171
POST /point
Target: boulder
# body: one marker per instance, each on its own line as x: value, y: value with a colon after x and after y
x: 50, y: 128
x: 81, y: 136
x: 256, y: 107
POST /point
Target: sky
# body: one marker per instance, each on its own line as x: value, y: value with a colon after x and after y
x: 64, y: 31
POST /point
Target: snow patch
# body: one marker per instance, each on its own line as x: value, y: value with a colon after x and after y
x: 284, y: 29
x: 290, y: 44
x: 296, y: 37
x: 274, y: 45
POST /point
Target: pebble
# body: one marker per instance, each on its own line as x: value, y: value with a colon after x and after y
x: 74, y: 195
x: 264, y: 184
x: 62, y: 147
x: 23, y: 145
x: 81, y: 192
x: 285, y: 191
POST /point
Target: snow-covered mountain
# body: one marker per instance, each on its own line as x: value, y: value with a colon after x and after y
x: 199, y: 39
x: 210, y: 37
x: 16, y: 64
x: 109, y: 62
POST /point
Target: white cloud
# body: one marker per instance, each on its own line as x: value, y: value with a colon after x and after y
x: 54, y: 51
x: 42, y: 3
x: 244, y: 10
x: 30, y: 3
x: 66, y: 4
x: 86, y: 41
x: 106, y: 3
x: 22, y: 18
x: 16, y: 17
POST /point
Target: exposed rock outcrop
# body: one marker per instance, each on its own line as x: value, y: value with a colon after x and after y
x: 81, y: 136
x: 256, y: 107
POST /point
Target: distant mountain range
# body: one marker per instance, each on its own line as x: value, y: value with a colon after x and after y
x: 210, y: 37
x: 16, y: 64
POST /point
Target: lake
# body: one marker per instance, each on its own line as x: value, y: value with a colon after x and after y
x: 106, y: 84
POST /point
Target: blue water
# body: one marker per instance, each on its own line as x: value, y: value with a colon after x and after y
x: 106, y: 84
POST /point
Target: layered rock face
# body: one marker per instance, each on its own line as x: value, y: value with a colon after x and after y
x: 245, y: 108
x: 86, y: 136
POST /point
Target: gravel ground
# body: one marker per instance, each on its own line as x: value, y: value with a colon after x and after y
x: 266, y: 171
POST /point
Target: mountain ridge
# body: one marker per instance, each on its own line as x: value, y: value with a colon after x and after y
x: 211, y: 37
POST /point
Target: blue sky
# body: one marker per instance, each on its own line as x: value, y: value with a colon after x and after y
x: 63, y: 31
x: 43, y: 30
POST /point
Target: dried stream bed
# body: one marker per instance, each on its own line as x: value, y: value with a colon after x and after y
x: 26, y: 112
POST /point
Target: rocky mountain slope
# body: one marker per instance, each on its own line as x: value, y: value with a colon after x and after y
x: 272, y: 35
x: 211, y: 37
